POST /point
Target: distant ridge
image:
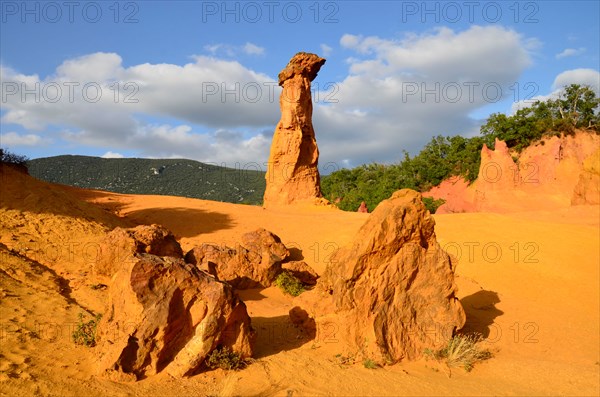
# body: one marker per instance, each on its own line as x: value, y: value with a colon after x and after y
x: 172, y: 177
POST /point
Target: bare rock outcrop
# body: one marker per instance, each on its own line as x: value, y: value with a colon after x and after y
x: 253, y: 264
x: 363, y: 208
x: 302, y: 271
x: 292, y: 172
x: 120, y: 246
x: 587, y: 190
x: 164, y: 314
x: 393, y: 287
x: 550, y: 174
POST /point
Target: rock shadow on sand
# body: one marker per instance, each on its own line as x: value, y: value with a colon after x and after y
x: 183, y: 222
x: 278, y: 334
x: 481, y: 312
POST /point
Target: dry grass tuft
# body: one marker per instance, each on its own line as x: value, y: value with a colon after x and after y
x: 461, y: 351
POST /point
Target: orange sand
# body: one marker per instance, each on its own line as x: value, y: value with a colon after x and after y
x: 528, y: 281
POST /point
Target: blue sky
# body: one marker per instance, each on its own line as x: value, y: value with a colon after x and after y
x: 197, y: 79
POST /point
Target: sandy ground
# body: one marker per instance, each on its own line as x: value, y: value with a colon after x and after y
x: 529, y: 283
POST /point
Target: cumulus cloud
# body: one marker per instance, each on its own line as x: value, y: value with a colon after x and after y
x: 397, y: 94
x: 93, y: 100
x: 14, y: 139
x: 112, y: 155
x: 400, y: 93
x: 570, y: 52
x: 589, y: 77
x: 586, y: 77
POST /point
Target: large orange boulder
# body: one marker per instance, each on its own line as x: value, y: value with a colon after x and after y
x: 393, y: 288
x: 121, y: 245
x: 292, y: 171
x: 253, y: 264
x: 164, y: 314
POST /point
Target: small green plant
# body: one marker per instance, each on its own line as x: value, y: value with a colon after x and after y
x: 432, y: 204
x: 225, y: 358
x: 343, y: 360
x: 370, y: 364
x: 289, y: 284
x: 461, y: 351
x: 85, y: 333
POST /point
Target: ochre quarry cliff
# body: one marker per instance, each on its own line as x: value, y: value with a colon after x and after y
x: 554, y: 173
x: 292, y: 172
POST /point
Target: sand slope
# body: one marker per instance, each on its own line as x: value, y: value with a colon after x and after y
x: 529, y: 282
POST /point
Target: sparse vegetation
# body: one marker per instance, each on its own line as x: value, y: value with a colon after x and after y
x: 370, y: 364
x: 289, y: 284
x: 226, y: 359
x: 98, y: 286
x: 344, y: 360
x: 461, y: 351
x: 17, y: 160
x: 85, y: 333
x: 432, y: 204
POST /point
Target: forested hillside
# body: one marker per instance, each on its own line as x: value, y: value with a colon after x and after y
x: 173, y: 177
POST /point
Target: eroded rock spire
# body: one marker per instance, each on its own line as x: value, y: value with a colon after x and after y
x: 292, y: 173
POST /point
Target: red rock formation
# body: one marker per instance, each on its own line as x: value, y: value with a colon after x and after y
x: 393, y: 287
x: 253, y: 264
x: 292, y: 173
x: 363, y: 208
x: 164, y: 314
x: 587, y: 190
x: 546, y: 176
x: 121, y: 245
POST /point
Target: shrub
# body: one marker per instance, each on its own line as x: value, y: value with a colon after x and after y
x: 370, y: 364
x: 289, y: 284
x: 225, y: 358
x: 85, y: 333
x: 12, y: 158
x: 432, y: 204
x: 461, y: 351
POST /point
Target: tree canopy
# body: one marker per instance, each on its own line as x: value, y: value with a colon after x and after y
x: 575, y: 107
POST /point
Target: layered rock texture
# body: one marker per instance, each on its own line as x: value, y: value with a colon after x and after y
x: 552, y: 174
x: 253, y: 264
x: 587, y: 190
x: 392, y: 289
x: 162, y: 313
x: 302, y: 271
x: 292, y: 172
x: 121, y: 245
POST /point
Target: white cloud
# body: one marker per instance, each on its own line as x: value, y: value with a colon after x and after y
x: 253, y: 49
x: 229, y: 50
x: 397, y: 94
x: 14, y: 139
x: 112, y: 155
x: 589, y: 77
x: 97, y: 102
x: 570, y: 52
x: 327, y: 50
x: 400, y: 93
